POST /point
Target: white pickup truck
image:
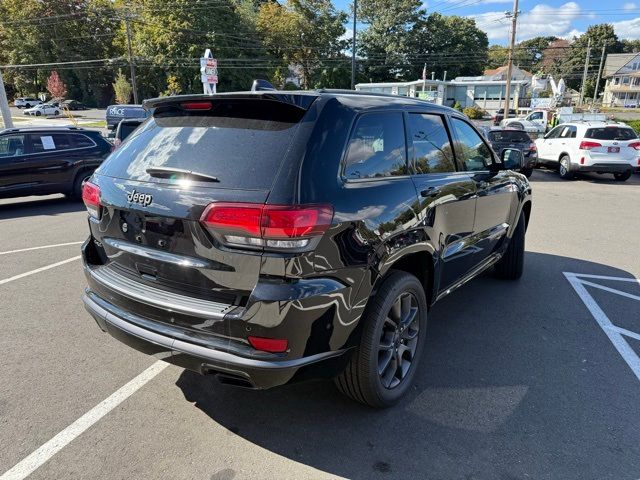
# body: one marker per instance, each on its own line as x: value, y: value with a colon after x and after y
x: 536, y: 122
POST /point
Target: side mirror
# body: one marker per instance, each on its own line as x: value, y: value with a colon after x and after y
x: 512, y: 159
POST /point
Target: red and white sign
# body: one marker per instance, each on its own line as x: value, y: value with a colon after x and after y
x: 209, y: 72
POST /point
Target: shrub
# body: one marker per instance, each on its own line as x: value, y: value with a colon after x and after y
x: 457, y: 106
x: 635, y: 124
x: 474, y: 113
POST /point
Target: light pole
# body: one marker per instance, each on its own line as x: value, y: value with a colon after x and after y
x: 353, y: 46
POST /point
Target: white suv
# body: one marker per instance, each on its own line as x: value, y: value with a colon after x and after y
x: 26, y: 102
x: 600, y: 147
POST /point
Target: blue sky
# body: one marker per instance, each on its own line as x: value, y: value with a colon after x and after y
x: 559, y: 18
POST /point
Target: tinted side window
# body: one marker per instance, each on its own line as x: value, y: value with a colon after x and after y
x: 431, y: 145
x: 555, y: 133
x: 11, y: 145
x: 47, y: 142
x: 377, y: 147
x: 82, y: 141
x: 470, y: 147
x: 568, y: 132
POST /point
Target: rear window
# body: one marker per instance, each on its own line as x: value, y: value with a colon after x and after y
x: 126, y: 129
x: 240, y: 142
x: 509, y: 136
x: 611, y: 133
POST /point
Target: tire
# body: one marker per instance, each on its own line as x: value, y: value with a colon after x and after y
x: 511, y: 265
x: 38, y: 114
x: 56, y: 112
x: 28, y: 105
x: 76, y: 193
x: 527, y: 172
x: 361, y: 379
x: 622, y: 177
x: 564, y: 168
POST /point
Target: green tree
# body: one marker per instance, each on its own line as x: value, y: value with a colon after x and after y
x: 630, y: 46
x: 497, y: 56
x: 122, y: 88
x: 447, y: 43
x: 170, y: 36
x: 572, y: 65
x: 387, y: 42
x: 305, y: 33
x: 60, y: 31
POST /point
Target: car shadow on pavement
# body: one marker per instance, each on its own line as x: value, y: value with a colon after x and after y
x: 549, y: 175
x: 38, y: 206
x: 518, y: 381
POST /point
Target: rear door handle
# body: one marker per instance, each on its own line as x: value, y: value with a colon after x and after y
x: 430, y: 192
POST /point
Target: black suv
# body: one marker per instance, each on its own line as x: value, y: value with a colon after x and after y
x: 45, y: 160
x: 271, y: 237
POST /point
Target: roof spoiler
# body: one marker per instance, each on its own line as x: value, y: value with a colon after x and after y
x: 302, y: 100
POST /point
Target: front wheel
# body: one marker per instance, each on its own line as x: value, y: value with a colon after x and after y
x: 511, y: 265
x: 382, y: 367
x: 622, y: 177
x: 38, y: 114
x: 565, y: 168
x: 56, y: 112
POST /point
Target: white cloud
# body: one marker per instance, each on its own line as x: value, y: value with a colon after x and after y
x: 540, y: 20
x: 572, y: 34
x: 629, y: 6
x: 629, y: 29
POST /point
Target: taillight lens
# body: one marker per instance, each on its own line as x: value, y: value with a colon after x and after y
x: 586, y: 145
x: 635, y: 145
x: 273, y: 226
x: 533, y: 148
x: 91, y: 199
x: 273, y: 345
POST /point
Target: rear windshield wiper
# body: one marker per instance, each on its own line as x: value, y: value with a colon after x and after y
x: 179, y: 173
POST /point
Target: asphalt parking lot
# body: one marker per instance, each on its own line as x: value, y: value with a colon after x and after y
x: 522, y: 380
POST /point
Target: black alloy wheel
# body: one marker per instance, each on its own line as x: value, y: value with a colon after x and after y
x: 399, y: 340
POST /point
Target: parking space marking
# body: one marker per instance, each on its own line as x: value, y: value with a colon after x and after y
x: 38, y: 270
x: 616, y: 334
x: 39, y: 248
x: 36, y: 459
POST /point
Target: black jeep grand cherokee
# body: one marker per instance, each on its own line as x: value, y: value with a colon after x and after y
x: 271, y: 237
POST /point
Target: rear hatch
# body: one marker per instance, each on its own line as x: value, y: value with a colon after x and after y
x: 512, y: 139
x: 612, y: 144
x: 156, y: 186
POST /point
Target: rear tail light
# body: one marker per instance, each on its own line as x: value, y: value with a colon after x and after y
x: 277, y: 227
x: 635, y: 145
x: 91, y: 199
x: 273, y: 345
x: 586, y: 145
x: 533, y: 147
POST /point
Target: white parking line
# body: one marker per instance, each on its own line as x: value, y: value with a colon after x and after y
x: 39, y: 248
x: 615, y: 333
x: 36, y: 459
x: 38, y: 270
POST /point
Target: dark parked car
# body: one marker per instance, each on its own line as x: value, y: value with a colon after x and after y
x: 116, y: 113
x: 45, y: 160
x: 499, y: 116
x: 518, y: 140
x: 124, y: 129
x: 272, y: 237
x: 72, y: 105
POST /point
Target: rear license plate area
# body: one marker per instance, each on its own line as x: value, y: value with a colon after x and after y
x: 613, y: 150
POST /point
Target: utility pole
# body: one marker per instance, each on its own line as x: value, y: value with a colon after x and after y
x: 132, y: 66
x: 595, y: 92
x: 4, y: 106
x: 584, y: 74
x: 512, y: 43
x: 353, y: 46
